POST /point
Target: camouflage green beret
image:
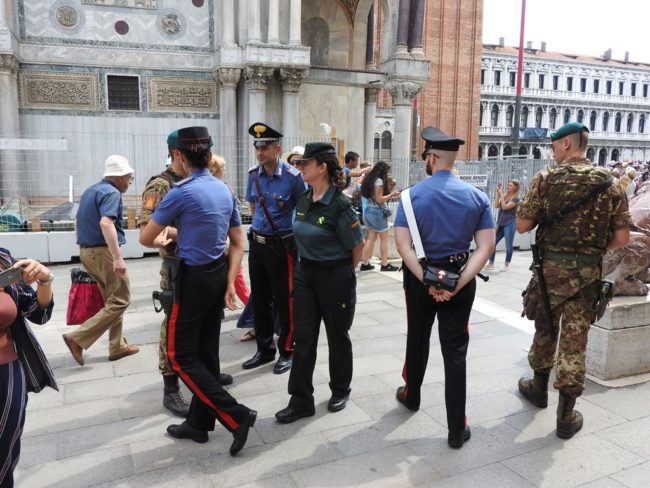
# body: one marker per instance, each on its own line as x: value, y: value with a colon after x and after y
x: 567, y: 129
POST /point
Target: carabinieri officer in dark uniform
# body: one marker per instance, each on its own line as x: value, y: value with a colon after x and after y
x: 204, y: 212
x: 330, y: 241
x: 449, y: 213
x: 273, y: 190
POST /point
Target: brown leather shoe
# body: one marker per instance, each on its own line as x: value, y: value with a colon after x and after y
x: 129, y: 351
x: 75, y: 349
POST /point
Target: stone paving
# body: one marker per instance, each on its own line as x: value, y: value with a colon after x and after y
x: 106, y: 425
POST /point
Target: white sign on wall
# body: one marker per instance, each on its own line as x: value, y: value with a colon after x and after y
x: 479, y: 181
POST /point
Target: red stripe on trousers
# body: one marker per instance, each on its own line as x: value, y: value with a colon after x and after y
x: 288, y: 344
x: 171, y: 352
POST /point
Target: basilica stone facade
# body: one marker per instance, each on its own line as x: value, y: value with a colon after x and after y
x: 85, y: 70
x: 611, y: 97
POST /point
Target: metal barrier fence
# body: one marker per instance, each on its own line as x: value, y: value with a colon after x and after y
x: 44, y: 176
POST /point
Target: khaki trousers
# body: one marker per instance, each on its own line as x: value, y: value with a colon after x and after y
x: 116, y: 294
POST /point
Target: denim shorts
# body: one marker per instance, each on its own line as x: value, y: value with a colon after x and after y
x: 374, y: 219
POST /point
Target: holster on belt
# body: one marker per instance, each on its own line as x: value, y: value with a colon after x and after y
x: 163, y: 300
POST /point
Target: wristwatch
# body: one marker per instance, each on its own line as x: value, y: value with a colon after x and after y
x: 47, y: 282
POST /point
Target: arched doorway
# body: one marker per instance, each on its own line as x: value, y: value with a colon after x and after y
x: 507, y: 150
x: 602, y: 157
x: 591, y: 153
x: 537, y: 153
x: 493, y: 151
x: 523, y: 151
x: 615, y: 154
x: 385, y: 151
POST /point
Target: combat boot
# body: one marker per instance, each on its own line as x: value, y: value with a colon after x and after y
x: 172, y: 398
x: 535, y: 389
x: 569, y: 421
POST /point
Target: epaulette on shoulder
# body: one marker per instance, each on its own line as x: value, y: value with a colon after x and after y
x: 182, y: 182
x: 253, y: 168
x: 292, y: 170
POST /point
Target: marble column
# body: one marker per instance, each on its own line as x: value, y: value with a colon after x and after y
x: 369, y: 123
x: 254, y: 31
x: 403, y: 20
x: 10, y: 166
x: 257, y: 79
x: 295, y: 23
x: 403, y: 93
x: 228, y: 22
x: 370, y: 38
x: 291, y: 80
x: 416, y: 26
x: 273, y: 33
x: 228, y: 81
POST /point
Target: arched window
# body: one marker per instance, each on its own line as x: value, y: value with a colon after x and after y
x: 581, y: 116
x: 590, y: 154
x: 523, y: 151
x: 507, y: 150
x: 524, y: 118
x: 641, y: 123
x: 480, y: 152
x: 592, y: 120
x: 538, y: 117
x: 605, y: 121
x: 386, y: 145
x: 480, y: 115
x: 509, y: 115
x: 493, y: 151
x: 602, y: 157
x: 552, y: 119
x: 617, y: 122
x: 494, y: 116
x: 630, y: 122
x: 567, y: 116
x: 615, y: 154
x: 316, y: 34
x: 537, y: 154
x: 376, y: 147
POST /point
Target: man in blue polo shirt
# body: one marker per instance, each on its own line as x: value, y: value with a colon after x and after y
x: 273, y: 190
x: 98, y: 227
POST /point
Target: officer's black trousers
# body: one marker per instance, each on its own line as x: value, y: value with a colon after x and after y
x: 271, y: 271
x: 193, y: 346
x: 453, y: 323
x: 330, y: 295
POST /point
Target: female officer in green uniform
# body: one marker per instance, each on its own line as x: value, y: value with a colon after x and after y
x: 330, y: 241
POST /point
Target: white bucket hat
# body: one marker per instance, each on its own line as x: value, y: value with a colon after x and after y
x: 117, y: 166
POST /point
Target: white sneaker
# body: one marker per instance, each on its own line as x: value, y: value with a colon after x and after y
x: 506, y: 266
x: 489, y: 266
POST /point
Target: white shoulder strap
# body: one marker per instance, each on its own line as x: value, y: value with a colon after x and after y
x: 413, y: 226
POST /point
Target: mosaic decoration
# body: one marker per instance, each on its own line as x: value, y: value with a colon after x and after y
x: 182, y: 95
x: 59, y: 91
x: 145, y: 4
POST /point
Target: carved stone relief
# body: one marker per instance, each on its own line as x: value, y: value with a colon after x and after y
x: 292, y: 78
x: 67, y: 16
x: 403, y: 92
x: 170, y: 24
x: 145, y: 4
x: 182, y: 95
x: 8, y: 63
x: 63, y: 91
x: 258, y: 77
x: 229, y: 77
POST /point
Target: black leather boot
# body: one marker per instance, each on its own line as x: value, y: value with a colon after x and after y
x: 535, y: 390
x: 569, y: 421
x: 172, y: 398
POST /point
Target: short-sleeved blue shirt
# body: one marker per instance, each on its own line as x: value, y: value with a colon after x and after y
x: 203, y: 209
x: 448, y: 212
x: 281, y: 191
x: 102, y: 199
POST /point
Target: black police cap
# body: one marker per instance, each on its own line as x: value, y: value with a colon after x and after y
x: 436, y: 139
x: 194, y: 139
x: 263, y: 134
x: 316, y: 149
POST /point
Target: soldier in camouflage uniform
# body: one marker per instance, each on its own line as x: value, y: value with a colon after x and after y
x: 156, y: 188
x: 572, y: 248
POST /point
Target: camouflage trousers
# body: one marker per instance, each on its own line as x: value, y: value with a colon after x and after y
x: 164, y: 365
x: 572, y: 310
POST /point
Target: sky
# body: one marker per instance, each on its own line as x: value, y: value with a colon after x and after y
x: 587, y: 27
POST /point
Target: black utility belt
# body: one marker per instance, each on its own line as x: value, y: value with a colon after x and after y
x: 335, y: 263
x: 262, y: 239
x: 205, y: 267
x: 442, y: 274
